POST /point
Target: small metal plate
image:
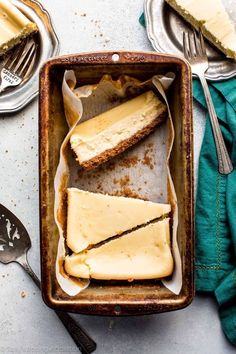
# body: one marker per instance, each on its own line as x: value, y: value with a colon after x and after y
x: 165, y: 31
x: 14, y: 99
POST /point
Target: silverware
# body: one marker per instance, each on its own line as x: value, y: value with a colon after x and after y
x: 165, y: 31
x: 14, y: 245
x: 195, y: 53
x: 48, y: 46
x: 17, y: 64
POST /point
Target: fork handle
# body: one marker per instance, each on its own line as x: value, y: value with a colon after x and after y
x: 2, y: 88
x: 85, y: 344
x: 225, y: 164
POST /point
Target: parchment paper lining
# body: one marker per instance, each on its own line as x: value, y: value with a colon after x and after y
x: 142, y: 171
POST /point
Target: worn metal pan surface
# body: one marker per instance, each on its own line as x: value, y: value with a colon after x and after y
x: 116, y: 298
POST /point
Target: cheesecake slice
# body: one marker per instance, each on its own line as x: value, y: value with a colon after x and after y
x: 141, y: 254
x: 14, y: 26
x: 110, y: 133
x: 213, y: 20
x: 94, y: 217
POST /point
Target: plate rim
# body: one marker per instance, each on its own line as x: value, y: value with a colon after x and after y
x: 155, y: 44
x: 33, y: 92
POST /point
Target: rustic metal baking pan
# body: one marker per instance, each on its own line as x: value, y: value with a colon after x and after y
x: 116, y: 298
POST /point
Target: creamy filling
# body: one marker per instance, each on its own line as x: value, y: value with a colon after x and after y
x: 13, y: 23
x: 86, y: 149
x: 94, y: 217
x: 212, y: 18
x: 202, y: 10
x: 141, y: 254
x: 107, y: 130
x: 222, y: 30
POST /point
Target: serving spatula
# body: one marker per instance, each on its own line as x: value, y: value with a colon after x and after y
x: 14, y: 245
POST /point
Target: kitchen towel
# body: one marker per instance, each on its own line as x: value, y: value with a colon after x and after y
x: 215, y: 217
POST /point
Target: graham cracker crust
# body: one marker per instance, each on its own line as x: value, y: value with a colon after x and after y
x: 123, y: 145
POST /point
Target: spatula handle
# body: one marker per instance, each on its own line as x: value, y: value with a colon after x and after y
x: 24, y: 263
x: 83, y: 341
x: 81, y: 338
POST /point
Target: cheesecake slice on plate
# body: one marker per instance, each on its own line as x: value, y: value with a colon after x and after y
x: 93, y: 217
x: 14, y: 26
x: 211, y: 17
x: 142, y: 254
x: 110, y: 133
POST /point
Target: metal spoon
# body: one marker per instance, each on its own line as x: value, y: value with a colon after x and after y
x: 14, y: 245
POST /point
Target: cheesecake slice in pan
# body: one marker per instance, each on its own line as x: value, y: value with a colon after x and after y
x: 14, y: 26
x: 94, y: 217
x: 213, y: 20
x: 110, y: 133
x: 141, y: 254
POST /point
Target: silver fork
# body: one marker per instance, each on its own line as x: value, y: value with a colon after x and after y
x: 17, y: 64
x: 195, y: 53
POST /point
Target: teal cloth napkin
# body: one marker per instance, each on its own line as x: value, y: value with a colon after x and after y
x: 215, y: 216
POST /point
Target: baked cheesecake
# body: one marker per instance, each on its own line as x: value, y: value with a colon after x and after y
x: 110, y: 133
x: 14, y: 26
x: 213, y: 20
x: 141, y: 254
x: 93, y: 217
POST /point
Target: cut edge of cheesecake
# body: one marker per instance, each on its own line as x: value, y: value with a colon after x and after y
x: 28, y: 28
x: 227, y: 51
x: 186, y: 15
x: 28, y: 31
x: 123, y: 145
x: 129, y: 257
x: 90, y: 213
x: 109, y: 153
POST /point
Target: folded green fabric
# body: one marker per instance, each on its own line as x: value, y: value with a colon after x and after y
x: 216, y: 207
x: 142, y: 20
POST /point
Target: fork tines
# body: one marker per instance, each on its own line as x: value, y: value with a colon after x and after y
x: 193, y: 44
x: 21, y: 58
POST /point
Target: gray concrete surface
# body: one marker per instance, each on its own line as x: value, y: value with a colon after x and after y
x: 26, y: 324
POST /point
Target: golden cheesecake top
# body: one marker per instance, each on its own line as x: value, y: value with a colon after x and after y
x: 107, y: 130
x: 95, y: 217
x: 14, y: 25
x: 141, y: 254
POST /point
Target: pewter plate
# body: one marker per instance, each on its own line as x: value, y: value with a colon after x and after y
x: 15, y: 99
x: 165, y: 31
